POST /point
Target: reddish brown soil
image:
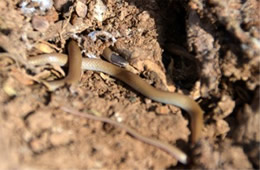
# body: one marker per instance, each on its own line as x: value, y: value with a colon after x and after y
x: 209, y: 50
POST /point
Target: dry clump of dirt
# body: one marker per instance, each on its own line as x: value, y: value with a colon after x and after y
x: 220, y: 68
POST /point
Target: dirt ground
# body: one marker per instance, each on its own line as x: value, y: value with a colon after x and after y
x: 209, y: 50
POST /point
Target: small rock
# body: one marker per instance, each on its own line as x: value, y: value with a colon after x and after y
x: 162, y: 110
x: 81, y: 9
x: 63, y: 138
x: 40, y: 23
x: 40, y: 144
x: 99, y: 10
x: 226, y: 105
x: 58, y: 4
x: 40, y: 121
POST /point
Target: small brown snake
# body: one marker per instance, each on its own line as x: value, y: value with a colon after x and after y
x: 77, y: 64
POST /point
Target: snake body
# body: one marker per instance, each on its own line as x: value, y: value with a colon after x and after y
x: 77, y: 64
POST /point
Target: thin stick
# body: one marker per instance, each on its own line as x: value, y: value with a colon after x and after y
x: 172, y: 150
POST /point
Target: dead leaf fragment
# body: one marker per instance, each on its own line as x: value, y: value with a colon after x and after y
x: 9, y: 90
x: 44, y: 48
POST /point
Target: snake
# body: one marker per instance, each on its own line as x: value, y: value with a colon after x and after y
x: 76, y: 64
